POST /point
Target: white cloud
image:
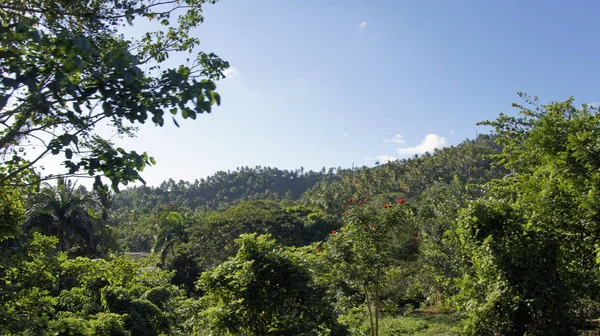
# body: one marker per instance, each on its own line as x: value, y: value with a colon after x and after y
x: 386, y: 158
x: 232, y: 72
x: 344, y: 135
x: 363, y: 25
x: 428, y: 144
x: 397, y: 139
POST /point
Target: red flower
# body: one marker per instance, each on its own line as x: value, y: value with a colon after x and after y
x: 333, y: 232
x: 360, y: 203
x: 366, y: 199
x: 319, y: 250
x: 350, y: 200
x: 343, y: 206
x: 401, y: 201
x: 413, y: 241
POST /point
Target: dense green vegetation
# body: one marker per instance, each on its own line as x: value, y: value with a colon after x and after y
x: 482, y: 238
x: 224, y: 189
x: 499, y: 235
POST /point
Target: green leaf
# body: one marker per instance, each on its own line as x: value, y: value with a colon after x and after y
x: 185, y: 112
x: 68, y: 153
x: 217, y: 98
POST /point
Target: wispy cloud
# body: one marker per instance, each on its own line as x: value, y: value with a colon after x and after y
x: 397, y: 139
x: 431, y: 142
x: 452, y: 132
x: 344, y: 135
x: 362, y: 25
x: 386, y: 158
x: 232, y: 72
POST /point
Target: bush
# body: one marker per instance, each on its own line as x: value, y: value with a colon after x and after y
x: 517, y: 284
x: 261, y: 291
x: 109, y: 324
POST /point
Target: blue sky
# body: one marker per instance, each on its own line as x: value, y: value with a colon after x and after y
x: 336, y: 83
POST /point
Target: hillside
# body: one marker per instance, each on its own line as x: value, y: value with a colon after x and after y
x: 225, y: 188
x: 469, y: 162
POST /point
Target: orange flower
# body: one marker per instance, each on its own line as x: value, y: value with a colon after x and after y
x: 401, y: 201
x: 319, y: 250
x: 333, y: 232
x: 343, y: 206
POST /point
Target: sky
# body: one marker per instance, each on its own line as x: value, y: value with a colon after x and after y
x: 342, y: 83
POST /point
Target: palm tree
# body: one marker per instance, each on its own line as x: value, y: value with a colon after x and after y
x: 103, y: 201
x: 171, y: 230
x: 62, y: 212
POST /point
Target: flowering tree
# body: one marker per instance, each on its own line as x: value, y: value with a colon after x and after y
x: 373, y: 239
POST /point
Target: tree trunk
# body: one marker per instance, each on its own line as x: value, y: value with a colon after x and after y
x: 377, y: 304
x: 370, y: 311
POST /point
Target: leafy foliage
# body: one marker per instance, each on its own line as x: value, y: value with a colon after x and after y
x: 373, y: 239
x: 533, y: 243
x: 65, y: 69
x: 262, y: 292
x: 518, y: 283
x: 224, y: 189
x: 213, y: 239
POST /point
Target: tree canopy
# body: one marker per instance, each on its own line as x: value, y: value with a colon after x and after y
x: 67, y: 68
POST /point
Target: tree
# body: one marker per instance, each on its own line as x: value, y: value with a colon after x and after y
x: 103, y: 199
x: 62, y: 212
x: 66, y: 68
x: 213, y: 239
x: 440, y: 259
x: 12, y: 213
x: 261, y: 291
x: 533, y: 237
x: 362, y: 252
x: 519, y: 281
x: 27, y: 276
x: 171, y: 230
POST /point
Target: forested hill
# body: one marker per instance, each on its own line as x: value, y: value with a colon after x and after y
x: 226, y: 188
x: 469, y: 162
